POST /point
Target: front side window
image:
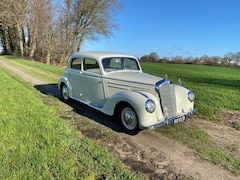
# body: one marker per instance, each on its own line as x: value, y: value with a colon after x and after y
x: 91, y: 65
x: 122, y: 63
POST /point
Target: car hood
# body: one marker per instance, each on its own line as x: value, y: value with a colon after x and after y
x: 135, y: 77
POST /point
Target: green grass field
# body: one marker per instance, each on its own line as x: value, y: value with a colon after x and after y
x: 36, y: 144
x: 214, y: 87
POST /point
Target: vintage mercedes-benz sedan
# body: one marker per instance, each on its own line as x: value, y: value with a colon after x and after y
x: 115, y: 85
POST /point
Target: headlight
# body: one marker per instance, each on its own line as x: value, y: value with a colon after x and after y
x: 191, y: 96
x: 150, y: 105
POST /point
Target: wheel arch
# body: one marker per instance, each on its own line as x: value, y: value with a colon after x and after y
x: 120, y: 105
x: 122, y: 98
x: 62, y: 81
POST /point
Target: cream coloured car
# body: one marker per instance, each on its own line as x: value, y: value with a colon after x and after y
x: 115, y: 85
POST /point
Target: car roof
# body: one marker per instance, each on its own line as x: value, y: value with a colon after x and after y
x: 100, y: 55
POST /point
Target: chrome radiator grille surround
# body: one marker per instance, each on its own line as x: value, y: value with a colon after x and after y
x: 168, y: 100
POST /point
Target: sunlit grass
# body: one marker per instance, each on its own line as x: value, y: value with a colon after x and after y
x: 214, y: 87
x: 36, y: 144
x: 43, y: 71
x: 49, y: 68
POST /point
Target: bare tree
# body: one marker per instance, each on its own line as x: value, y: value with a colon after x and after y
x: 154, y: 56
x: 237, y: 57
x: 5, y: 21
x: 43, y: 29
x: 34, y: 23
x: 205, y: 59
x: 3, y: 39
x: 50, y: 31
x: 229, y: 57
x: 12, y: 17
x: 36, y: 28
x: 215, y: 60
x: 86, y: 20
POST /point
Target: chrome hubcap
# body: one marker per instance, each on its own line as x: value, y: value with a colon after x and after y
x: 129, y: 118
x: 65, y: 92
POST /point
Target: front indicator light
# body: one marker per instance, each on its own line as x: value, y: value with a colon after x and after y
x: 150, y: 105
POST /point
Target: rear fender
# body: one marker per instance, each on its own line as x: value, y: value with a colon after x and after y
x: 65, y: 80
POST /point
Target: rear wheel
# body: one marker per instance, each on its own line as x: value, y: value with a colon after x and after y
x: 65, y: 93
x: 129, y: 120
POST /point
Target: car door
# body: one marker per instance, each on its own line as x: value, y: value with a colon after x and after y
x: 92, y: 90
x: 75, y: 77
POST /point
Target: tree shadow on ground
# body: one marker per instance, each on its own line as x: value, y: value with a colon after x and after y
x: 80, y: 108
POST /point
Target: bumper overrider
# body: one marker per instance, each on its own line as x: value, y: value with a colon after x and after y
x: 174, y: 120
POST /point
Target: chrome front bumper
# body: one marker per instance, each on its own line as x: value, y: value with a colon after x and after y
x: 174, y: 120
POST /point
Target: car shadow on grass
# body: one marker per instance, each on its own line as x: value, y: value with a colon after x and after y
x: 80, y: 108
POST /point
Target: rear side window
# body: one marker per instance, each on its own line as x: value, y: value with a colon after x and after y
x: 76, y: 64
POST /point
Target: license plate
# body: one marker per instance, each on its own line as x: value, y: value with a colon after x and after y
x: 179, y: 119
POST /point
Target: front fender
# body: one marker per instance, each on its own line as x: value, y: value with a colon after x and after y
x: 137, y: 101
x: 65, y: 80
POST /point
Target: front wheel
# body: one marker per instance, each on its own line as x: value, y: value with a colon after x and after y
x: 129, y: 120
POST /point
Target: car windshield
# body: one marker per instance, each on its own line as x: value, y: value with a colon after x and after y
x: 119, y: 63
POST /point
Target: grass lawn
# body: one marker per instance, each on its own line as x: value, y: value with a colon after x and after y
x: 214, y: 87
x: 36, y: 144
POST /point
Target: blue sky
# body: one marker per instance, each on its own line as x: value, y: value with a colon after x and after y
x: 174, y: 28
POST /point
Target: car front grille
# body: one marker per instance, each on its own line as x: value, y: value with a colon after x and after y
x: 168, y: 100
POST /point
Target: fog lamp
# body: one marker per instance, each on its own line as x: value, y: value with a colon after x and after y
x: 165, y: 112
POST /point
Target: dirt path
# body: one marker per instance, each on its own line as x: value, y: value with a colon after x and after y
x: 22, y: 74
x: 148, y: 152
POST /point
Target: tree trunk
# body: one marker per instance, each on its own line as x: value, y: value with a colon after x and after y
x: 4, y: 40
x: 32, y: 50
x: 80, y: 41
x: 19, y: 30
x: 10, y: 39
x: 48, y: 58
x: 33, y: 44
